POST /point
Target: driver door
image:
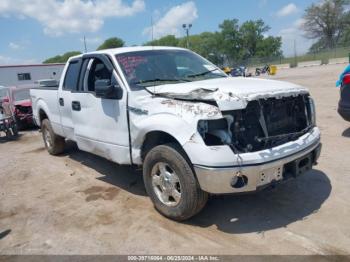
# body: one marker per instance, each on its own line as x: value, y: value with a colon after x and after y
x: 100, y: 125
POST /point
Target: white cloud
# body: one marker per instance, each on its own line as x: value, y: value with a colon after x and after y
x: 14, y: 46
x: 288, y: 10
x: 171, y: 23
x: 70, y: 16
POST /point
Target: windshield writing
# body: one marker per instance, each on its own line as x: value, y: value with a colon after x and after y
x: 158, y: 67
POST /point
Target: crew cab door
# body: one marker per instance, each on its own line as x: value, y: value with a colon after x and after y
x: 100, y: 124
x: 69, y: 84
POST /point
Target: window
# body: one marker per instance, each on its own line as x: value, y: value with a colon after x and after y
x: 72, y: 74
x: 156, y: 67
x: 98, y: 71
x: 23, y: 76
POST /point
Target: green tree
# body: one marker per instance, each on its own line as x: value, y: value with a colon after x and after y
x: 326, y: 21
x: 206, y: 44
x: 252, y: 36
x: 233, y: 43
x: 113, y: 42
x: 238, y: 43
x: 269, y: 47
x: 230, y: 39
x: 61, y: 58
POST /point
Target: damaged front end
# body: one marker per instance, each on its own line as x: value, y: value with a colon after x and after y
x: 24, y: 115
x: 263, y: 132
x: 262, y: 124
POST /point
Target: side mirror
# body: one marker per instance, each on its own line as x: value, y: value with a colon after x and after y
x: 105, y: 89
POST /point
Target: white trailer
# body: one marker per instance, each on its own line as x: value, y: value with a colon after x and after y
x: 15, y: 75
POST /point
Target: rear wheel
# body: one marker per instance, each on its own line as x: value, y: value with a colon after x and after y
x: 171, y: 184
x: 53, y: 143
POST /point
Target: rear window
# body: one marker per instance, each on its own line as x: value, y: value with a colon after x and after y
x: 72, y: 75
x: 23, y: 94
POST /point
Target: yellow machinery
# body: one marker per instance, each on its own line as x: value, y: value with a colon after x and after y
x: 227, y: 70
x: 273, y: 70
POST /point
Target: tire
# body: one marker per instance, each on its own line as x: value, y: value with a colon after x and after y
x: 53, y: 143
x: 20, y: 125
x: 192, y: 198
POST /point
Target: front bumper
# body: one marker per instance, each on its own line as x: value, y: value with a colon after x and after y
x: 252, y: 177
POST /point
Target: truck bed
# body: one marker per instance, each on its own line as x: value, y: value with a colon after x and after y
x: 45, y: 99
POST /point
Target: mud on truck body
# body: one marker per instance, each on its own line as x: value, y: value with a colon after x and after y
x: 194, y: 130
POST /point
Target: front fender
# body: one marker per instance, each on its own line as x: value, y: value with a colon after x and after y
x: 167, y: 123
x: 174, y: 117
x: 170, y: 124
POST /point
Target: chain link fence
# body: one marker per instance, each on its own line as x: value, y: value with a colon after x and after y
x: 330, y: 56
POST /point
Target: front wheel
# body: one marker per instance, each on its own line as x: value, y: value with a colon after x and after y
x: 171, y: 184
x: 53, y: 143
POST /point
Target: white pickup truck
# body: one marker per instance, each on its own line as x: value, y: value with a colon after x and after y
x: 194, y: 130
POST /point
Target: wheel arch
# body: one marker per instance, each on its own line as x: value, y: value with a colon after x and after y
x: 42, y: 115
x: 156, y: 138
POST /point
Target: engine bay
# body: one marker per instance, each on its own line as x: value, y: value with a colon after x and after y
x: 263, y: 124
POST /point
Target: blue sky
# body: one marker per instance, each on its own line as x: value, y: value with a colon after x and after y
x: 34, y: 30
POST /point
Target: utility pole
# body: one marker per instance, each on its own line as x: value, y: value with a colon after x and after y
x: 152, y: 28
x: 295, y: 52
x: 85, y: 44
x: 187, y: 28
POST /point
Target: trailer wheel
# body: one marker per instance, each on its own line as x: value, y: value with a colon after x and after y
x: 53, y: 143
x: 171, y: 184
x: 12, y: 132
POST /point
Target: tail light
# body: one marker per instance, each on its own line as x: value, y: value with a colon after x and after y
x: 346, y: 80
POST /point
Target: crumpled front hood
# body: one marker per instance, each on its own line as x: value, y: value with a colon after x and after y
x: 26, y: 103
x: 229, y: 93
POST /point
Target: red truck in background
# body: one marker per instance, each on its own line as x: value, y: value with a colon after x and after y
x: 18, y: 102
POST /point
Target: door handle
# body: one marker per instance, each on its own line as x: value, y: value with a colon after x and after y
x: 76, y: 105
x: 61, y: 101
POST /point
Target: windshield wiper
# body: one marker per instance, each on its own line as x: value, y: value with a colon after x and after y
x: 206, y: 72
x: 160, y: 80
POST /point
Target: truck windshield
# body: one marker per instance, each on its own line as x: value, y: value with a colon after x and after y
x: 158, y: 67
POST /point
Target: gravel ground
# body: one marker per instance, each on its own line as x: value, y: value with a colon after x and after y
x: 78, y: 203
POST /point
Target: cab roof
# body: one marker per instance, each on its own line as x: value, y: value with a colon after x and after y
x: 121, y: 50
